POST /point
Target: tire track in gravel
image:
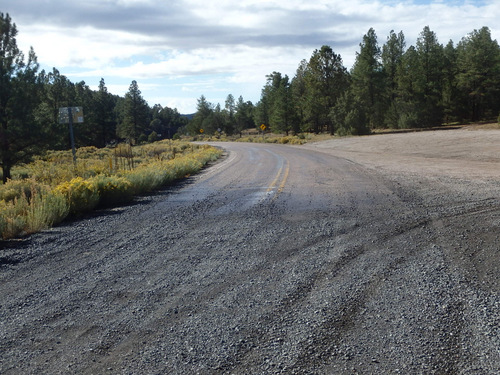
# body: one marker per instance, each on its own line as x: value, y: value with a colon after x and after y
x: 279, y: 260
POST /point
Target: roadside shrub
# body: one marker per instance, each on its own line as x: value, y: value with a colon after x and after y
x: 32, y: 212
x: 143, y: 179
x: 15, y: 189
x: 152, y: 176
x: 82, y: 195
x: 143, y: 138
x: 12, y: 222
x: 112, y: 189
x: 52, y: 171
x: 185, y: 166
x: 92, y: 167
x: 158, y: 151
x: 153, y: 137
x: 291, y: 140
x: 3, y: 222
x: 124, y: 156
x: 45, y: 210
x: 105, y: 177
x: 246, y: 139
x: 408, y: 120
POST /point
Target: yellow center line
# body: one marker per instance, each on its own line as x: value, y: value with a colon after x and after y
x: 275, y: 181
x: 285, y: 177
x: 282, y: 183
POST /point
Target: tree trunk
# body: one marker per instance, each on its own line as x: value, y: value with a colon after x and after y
x: 6, y: 163
x: 6, y: 173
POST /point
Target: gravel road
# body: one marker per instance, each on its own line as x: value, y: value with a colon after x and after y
x: 369, y: 255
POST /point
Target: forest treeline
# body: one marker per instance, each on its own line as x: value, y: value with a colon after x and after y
x: 29, y: 109
x: 392, y: 86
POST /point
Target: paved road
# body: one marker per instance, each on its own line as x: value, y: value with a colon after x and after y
x: 277, y: 259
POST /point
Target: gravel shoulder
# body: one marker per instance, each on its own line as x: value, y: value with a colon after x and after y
x: 453, y: 174
x: 450, y: 180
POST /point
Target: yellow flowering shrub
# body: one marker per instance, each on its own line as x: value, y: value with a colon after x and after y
x: 112, y: 189
x: 105, y: 177
x: 81, y: 194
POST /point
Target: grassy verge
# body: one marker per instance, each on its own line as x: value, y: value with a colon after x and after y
x: 257, y: 137
x: 53, y: 188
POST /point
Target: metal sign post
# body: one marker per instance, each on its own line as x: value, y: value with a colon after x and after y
x: 71, y: 134
x: 263, y: 128
x: 68, y: 115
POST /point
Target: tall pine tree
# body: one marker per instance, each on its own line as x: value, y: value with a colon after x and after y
x: 136, y: 115
x: 368, y: 81
x: 478, y: 59
x: 326, y: 81
x: 104, y: 115
x: 392, y: 58
x: 20, y: 133
x: 429, y: 83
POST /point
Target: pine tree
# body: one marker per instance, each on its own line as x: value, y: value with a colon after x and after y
x: 20, y: 133
x: 88, y: 132
x: 166, y: 121
x: 453, y: 100
x: 478, y: 59
x: 407, y: 100
x: 104, y: 115
x: 230, y: 110
x: 244, y: 115
x: 430, y: 80
x: 201, y: 119
x: 326, y: 80
x: 282, y: 117
x: 420, y: 83
x: 392, y: 58
x: 57, y: 92
x: 368, y: 81
x: 135, y: 116
x: 299, y: 91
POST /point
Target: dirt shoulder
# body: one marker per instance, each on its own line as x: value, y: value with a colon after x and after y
x: 466, y: 153
x: 452, y: 177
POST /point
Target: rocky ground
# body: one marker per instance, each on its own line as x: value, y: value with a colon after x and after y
x: 364, y: 255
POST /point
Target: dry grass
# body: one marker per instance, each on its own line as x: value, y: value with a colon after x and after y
x: 55, y: 188
x: 489, y: 126
x: 254, y: 136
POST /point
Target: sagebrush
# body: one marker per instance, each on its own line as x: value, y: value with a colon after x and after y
x: 55, y: 188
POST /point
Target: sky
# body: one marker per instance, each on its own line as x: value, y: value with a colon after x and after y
x: 178, y: 50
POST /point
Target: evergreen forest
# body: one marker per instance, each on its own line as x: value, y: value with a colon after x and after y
x: 389, y: 86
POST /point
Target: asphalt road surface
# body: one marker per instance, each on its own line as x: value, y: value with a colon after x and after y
x: 275, y: 260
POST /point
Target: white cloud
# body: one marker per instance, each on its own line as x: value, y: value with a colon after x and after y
x: 84, y: 47
x: 183, y: 105
x: 188, y: 47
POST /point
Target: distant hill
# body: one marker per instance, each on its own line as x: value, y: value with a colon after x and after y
x: 189, y: 117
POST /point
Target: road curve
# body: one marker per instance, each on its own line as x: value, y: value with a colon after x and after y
x: 276, y: 259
